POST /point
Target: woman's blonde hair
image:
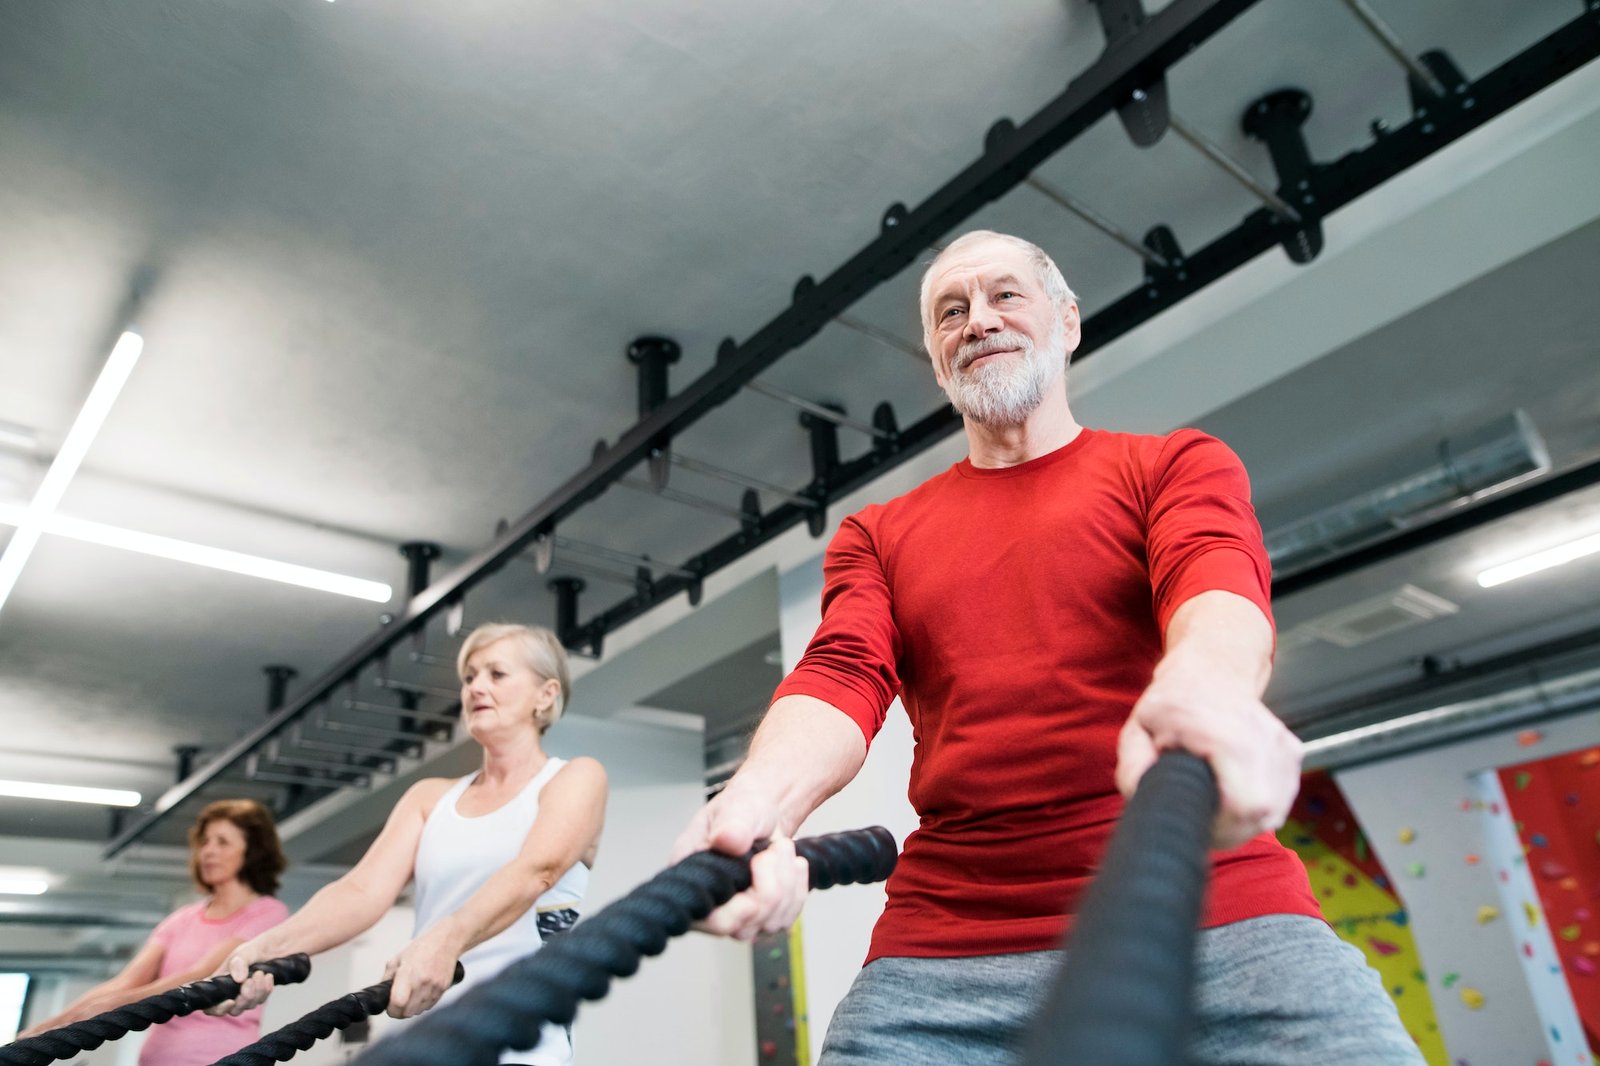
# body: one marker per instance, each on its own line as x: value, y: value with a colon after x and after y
x: 541, y: 650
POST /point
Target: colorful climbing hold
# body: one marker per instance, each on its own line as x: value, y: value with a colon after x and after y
x: 1583, y: 966
x: 1522, y: 779
x: 1407, y: 835
x: 1472, y: 998
x: 1473, y: 859
x: 1416, y: 869
x: 1570, y: 932
x: 1383, y: 947
x: 1551, y: 870
x: 1487, y: 914
x: 1589, y: 758
x: 1449, y: 979
x: 1532, y: 914
x: 1568, y: 884
x: 1540, y: 840
x: 1529, y: 737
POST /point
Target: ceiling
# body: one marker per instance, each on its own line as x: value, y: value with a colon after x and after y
x: 387, y: 259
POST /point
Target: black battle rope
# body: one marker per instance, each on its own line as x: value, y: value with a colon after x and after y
x: 281, y: 1045
x: 67, y: 1041
x: 1122, y: 996
x: 508, y: 1010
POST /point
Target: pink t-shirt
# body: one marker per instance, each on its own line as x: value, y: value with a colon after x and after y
x: 189, y: 936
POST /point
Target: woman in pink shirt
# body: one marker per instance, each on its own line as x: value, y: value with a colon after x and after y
x: 235, y: 859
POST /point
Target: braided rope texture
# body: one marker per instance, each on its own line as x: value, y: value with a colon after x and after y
x: 1123, y: 994
x: 281, y: 1045
x: 508, y: 1010
x: 90, y: 1033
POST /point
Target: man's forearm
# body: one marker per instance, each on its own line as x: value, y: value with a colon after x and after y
x: 1220, y: 635
x: 804, y: 752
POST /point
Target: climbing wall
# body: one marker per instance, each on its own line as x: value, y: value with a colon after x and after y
x: 1442, y: 827
x: 1359, y: 901
x: 1553, y: 806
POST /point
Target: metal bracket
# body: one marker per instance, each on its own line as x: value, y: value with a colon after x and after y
x: 1275, y: 119
x: 1425, y: 103
x: 1170, y: 269
x: 419, y: 555
x: 1144, y: 115
x: 653, y: 355
x: 573, y: 636
x: 824, y: 461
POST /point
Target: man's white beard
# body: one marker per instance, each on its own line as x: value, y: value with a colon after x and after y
x: 1003, y: 392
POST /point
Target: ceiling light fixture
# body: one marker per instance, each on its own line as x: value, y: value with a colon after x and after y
x: 23, y: 886
x: 124, y: 354
x: 1540, y: 560
x: 105, y: 797
x: 202, y: 555
x: 18, y: 437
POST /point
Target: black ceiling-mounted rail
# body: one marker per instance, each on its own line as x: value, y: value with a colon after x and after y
x: 1275, y: 118
x: 1131, y: 62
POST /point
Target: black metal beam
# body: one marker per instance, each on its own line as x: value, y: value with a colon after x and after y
x: 1334, y: 185
x: 1010, y: 153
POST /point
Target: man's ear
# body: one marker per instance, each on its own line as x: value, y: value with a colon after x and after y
x: 1073, y: 323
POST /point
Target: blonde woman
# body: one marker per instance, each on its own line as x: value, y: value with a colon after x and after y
x: 500, y: 857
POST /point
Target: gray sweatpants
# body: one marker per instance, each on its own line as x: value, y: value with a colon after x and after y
x: 1282, y: 990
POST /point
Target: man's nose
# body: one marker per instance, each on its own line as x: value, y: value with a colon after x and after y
x: 982, y: 320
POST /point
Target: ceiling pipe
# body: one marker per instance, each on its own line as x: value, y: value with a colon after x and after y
x: 1492, y: 457
x: 1518, y: 697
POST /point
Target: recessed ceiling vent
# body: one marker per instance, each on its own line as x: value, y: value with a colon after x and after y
x: 1351, y: 626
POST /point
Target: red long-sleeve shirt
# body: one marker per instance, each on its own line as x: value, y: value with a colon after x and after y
x: 1019, y: 614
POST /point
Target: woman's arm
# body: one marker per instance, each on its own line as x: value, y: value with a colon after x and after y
x: 141, y: 970
x: 572, y: 809
x: 343, y: 910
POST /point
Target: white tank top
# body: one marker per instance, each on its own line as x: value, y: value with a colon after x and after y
x: 456, y: 855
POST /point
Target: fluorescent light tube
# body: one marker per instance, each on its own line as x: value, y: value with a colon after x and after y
x: 23, y: 886
x: 1540, y: 560
x: 201, y: 555
x: 105, y: 797
x: 90, y: 418
x: 20, y: 437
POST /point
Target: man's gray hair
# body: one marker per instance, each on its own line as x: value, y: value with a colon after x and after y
x: 1055, y: 285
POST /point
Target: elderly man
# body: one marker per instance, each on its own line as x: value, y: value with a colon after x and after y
x: 1054, y: 610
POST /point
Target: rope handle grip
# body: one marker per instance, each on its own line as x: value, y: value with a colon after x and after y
x: 509, y: 1009
x: 90, y: 1033
x: 280, y: 1045
x: 1123, y: 994
x: 855, y: 857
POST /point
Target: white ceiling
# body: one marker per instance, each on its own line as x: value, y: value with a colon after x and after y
x: 387, y: 258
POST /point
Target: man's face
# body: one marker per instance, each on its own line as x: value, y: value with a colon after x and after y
x: 996, y: 339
